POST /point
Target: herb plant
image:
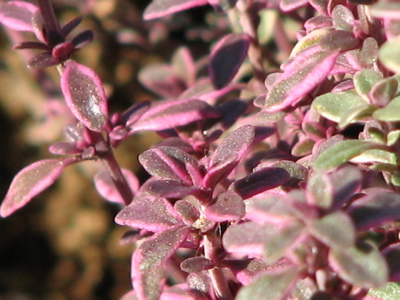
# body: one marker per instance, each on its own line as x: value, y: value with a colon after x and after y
x: 277, y: 175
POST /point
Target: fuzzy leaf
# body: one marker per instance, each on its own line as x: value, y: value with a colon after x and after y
x: 228, y: 154
x: 375, y: 209
x: 333, y: 105
x: 172, y: 114
x: 150, y: 213
x: 18, y: 15
x: 346, y: 183
x: 343, y: 18
x: 156, y: 250
x: 281, y: 240
x: 229, y: 206
x: 362, y: 267
x: 364, y: 80
x: 227, y: 57
x: 148, y: 261
x: 107, y: 189
x: 196, y: 264
x: 276, y: 284
x: 383, y: 91
x: 161, y: 8
x: 171, y: 163
x: 29, y: 182
x: 389, y: 55
x: 320, y: 190
x: 171, y: 189
x: 260, y: 181
x: 187, y: 211
x: 340, y: 153
x: 302, y: 75
x: 389, y: 113
x: 85, y: 95
x: 355, y: 113
x: 335, y: 229
x: 247, y: 238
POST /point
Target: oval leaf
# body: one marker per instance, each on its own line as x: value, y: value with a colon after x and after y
x: 150, y: 213
x: 18, y: 15
x: 363, y: 268
x: 227, y: 57
x: 85, y: 95
x: 340, y: 153
x: 29, y: 182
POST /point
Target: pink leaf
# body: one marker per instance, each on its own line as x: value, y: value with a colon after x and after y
x: 29, y: 182
x: 171, y: 114
x: 18, y: 15
x: 149, y: 259
x: 107, y: 189
x: 161, y: 8
x: 85, y: 95
x: 150, y: 213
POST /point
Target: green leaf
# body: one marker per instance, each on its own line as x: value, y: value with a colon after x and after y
x: 364, y: 80
x: 376, y: 156
x: 355, y: 113
x: 362, y: 267
x: 389, y: 113
x: 266, y: 26
x: 274, y: 284
x: 333, y: 105
x: 389, y: 55
x: 341, y: 152
x: 393, y: 137
x: 320, y: 189
x: 390, y: 291
x: 336, y: 230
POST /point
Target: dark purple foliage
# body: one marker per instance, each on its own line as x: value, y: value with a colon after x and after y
x: 277, y: 171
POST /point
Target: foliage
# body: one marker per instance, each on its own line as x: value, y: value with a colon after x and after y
x: 277, y: 173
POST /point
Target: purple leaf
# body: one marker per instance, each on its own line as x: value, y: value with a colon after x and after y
x: 31, y: 181
x: 375, y: 209
x: 85, y: 95
x: 247, y: 238
x: 196, y: 264
x: 43, y: 60
x: 134, y: 113
x: 171, y: 189
x: 308, y: 69
x: 18, y: 15
x: 227, y: 57
x: 229, y: 153
x: 161, y: 8
x: 187, y: 211
x: 161, y: 79
x: 64, y: 148
x: 171, y: 114
x: 107, y: 189
x: 229, y: 206
x: 260, y: 181
x: 150, y: 213
x: 171, y: 163
x: 149, y: 259
x: 392, y: 255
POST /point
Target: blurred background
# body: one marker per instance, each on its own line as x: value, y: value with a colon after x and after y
x: 64, y: 244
